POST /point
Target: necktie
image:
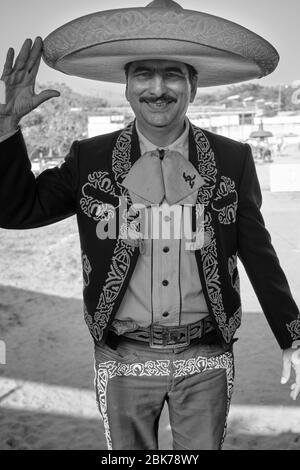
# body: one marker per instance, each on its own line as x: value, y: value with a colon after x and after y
x: 163, y: 174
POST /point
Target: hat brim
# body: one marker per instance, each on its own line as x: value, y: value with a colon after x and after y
x: 106, y: 62
x: 99, y: 46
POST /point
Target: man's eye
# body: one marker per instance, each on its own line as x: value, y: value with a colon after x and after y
x: 144, y: 74
x: 173, y: 75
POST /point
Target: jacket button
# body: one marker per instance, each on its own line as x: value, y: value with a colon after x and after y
x: 166, y: 249
x: 165, y: 282
x: 165, y: 314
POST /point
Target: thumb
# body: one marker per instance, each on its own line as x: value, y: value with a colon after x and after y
x: 286, y: 368
x: 44, y: 96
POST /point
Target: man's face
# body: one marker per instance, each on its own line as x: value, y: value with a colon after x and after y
x: 159, y: 92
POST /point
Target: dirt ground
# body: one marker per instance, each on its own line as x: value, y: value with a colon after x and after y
x: 46, y: 386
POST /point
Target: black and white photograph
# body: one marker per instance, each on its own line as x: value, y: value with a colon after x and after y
x: 149, y: 227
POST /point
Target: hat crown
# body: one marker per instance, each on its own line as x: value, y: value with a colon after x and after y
x: 99, y: 45
x: 170, y: 4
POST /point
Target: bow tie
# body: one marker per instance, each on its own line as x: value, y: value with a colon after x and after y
x: 163, y: 174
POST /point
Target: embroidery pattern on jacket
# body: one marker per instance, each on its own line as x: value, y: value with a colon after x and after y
x: 208, y: 170
x: 104, y: 371
x: 123, y: 252
x: 294, y: 328
x: 121, y: 162
x: 130, y: 228
x: 115, y: 279
x: 226, y: 201
x: 98, y: 182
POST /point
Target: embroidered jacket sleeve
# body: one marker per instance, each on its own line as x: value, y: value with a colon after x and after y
x: 28, y: 202
x: 260, y: 260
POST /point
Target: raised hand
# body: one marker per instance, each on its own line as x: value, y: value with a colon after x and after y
x: 19, y: 79
x: 291, y: 360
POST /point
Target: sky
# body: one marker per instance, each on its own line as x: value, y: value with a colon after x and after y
x: 276, y: 21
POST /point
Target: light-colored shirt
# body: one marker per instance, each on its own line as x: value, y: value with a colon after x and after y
x: 175, y: 278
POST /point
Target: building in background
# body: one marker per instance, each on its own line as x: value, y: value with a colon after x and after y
x: 235, y: 123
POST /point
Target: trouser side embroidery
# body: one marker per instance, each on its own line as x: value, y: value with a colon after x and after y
x: 110, y: 369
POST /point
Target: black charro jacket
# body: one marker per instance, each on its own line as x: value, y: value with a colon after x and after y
x: 91, y: 177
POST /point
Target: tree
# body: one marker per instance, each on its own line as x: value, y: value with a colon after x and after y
x: 51, y: 128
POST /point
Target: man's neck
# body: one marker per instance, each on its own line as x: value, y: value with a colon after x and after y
x: 161, y: 136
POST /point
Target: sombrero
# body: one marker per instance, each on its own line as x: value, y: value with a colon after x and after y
x: 99, y: 45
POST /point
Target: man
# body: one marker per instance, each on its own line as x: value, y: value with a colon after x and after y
x: 162, y: 307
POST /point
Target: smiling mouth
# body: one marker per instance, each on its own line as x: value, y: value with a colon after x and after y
x: 158, y: 105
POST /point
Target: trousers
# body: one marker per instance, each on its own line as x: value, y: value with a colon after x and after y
x: 134, y: 381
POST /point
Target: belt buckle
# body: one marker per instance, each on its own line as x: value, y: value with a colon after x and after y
x: 169, y: 334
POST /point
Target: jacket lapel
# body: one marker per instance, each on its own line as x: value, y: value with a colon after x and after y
x: 135, y: 151
x: 203, y: 157
x: 207, y: 163
x: 124, y: 257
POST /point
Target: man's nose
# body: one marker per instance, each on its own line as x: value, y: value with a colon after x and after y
x: 158, y: 85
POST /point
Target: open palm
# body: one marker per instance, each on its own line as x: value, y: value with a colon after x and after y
x: 19, y: 78
x: 291, y: 361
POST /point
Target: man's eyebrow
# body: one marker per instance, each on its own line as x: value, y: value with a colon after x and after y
x: 143, y: 68
x: 174, y: 69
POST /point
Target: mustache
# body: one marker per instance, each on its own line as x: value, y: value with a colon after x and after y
x: 154, y: 99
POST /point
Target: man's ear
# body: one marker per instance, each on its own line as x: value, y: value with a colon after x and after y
x: 126, y: 90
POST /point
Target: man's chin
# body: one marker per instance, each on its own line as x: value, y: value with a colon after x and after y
x: 159, y: 123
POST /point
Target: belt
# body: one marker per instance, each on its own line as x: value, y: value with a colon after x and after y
x: 159, y: 336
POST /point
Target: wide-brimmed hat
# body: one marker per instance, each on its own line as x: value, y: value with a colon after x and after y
x: 99, y: 45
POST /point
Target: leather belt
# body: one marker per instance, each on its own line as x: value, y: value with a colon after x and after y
x: 159, y: 336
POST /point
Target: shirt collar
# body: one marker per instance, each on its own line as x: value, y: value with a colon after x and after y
x: 181, y: 144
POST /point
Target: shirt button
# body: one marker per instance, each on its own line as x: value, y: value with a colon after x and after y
x: 165, y: 282
x: 167, y: 218
x: 166, y: 249
x: 165, y: 314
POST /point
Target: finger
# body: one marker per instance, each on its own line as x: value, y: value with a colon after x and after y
x: 295, y: 391
x: 296, y: 357
x: 44, y: 96
x: 286, y: 369
x: 23, y: 55
x: 297, y: 373
x: 35, y: 54
x: 32, y: 73
x: 8, y: 62
x: 295, y: 387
